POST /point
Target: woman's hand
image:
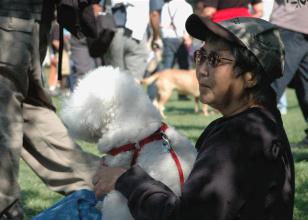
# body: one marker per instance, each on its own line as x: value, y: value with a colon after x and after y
x: 105, y: 178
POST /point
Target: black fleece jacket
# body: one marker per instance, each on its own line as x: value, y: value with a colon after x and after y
x: 244, y: 171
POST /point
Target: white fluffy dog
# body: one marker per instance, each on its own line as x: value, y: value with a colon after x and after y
x: 109, y: 108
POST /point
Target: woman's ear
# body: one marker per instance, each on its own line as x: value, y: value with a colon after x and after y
x: 249, y: 80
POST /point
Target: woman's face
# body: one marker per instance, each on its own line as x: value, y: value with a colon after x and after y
x: 219, y: 85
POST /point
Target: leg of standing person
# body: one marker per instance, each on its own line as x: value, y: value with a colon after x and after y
x: 11, y: 128
x: 296, y: 47
x: 71, y: 82
x: 52, y: 154
x: 152, y: 90
x: 293, y: 43
x: 170, y: 47
x: 73, y: 75
x: 168, y: 61
x: 81, y: 61
x: 48, y: 148
x: 301, y: 90
x: 302, y: 87
x: 31, y: 121
x: 156, y: 62
x: 15, y: 56
x: 182, y: 58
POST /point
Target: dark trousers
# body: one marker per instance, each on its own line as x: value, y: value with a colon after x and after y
x: 81, y: 61
x: 296, y: 68
x: 29, y: 127
x: 175, y: 51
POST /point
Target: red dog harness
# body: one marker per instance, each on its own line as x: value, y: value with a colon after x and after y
x: 136, y: 148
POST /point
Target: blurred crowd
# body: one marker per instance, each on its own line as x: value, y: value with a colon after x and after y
x: 154, y: 43
x: 142, y: 46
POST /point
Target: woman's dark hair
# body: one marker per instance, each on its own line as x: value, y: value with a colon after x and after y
x: 245, y: 61
x: 262, y: 92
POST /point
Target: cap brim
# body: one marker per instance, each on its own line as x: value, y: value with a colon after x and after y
x: 199, y: 26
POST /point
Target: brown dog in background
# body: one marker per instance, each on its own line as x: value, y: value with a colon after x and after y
x: 184, y: 81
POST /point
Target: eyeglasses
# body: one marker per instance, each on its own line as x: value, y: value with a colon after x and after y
x: 213, y: 59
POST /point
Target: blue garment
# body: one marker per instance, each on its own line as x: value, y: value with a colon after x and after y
x: 81, y: 61
x: 76, y: 206
x: 175, y: 51
x: 119, y: 14
x: 296, y: 68
x: 156, y: 5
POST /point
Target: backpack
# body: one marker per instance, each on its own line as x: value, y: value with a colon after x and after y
x: 106, y: 28
x: 78, y: 18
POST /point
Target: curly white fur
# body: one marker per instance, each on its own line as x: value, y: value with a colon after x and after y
x: 109, y: 108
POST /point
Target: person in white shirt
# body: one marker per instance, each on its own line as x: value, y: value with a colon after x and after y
x: 175, y: 38
x: 176, y: 41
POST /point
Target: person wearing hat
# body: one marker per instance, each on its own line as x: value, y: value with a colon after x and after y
x: 219, y: 10
x: 244, y: 168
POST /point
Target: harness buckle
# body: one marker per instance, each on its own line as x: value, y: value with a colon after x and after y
x: 166, y: 143
x: 137, y: 146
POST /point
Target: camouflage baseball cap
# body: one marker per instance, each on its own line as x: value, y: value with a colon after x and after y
x: 260, y: 37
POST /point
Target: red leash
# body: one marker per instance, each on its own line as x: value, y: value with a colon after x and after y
x: 136, y: 148
x: 177, y: 162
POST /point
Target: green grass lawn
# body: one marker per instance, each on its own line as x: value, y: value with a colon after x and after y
x: 36, y: 197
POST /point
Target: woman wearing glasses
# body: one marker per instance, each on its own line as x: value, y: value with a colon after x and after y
x: 244, y: 169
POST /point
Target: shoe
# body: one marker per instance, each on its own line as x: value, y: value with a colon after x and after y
x: 14, y: 212
x: 301, y: 144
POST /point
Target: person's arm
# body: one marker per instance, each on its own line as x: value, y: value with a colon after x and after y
x: 207, y: 8
x: 257, y: 10
x: 209, y: 192
x: 155, y: 25
x: 147, y: 198
x: 208, y: 11
x: 55, y: 44
x: 155, y: 16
